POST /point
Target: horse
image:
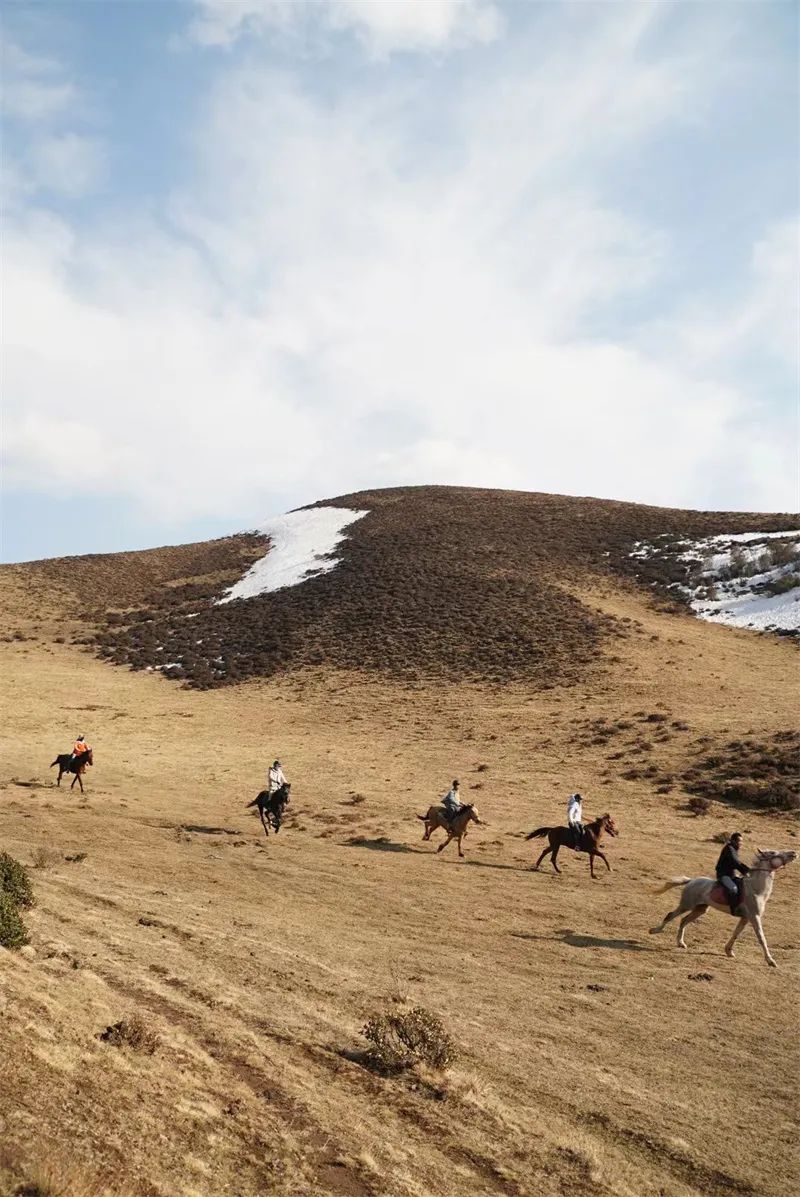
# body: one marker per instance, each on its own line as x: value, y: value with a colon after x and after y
x: 564, y: 837
x: 456, y: 827
x: 701, y: 892
x: 66, y: 764
x: 274, y: 805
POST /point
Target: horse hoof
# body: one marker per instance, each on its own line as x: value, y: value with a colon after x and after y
x: 656, y: 930
x: 772, y: 963
x: 730, y: 955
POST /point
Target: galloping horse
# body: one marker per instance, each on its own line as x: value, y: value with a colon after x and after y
x: 701, y: 892
x: 66, y: 764
x: 273, y: 806
x: 456, y: 827
x: 564, y: 837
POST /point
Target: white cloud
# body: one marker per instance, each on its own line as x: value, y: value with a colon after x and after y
x: 34, y: 87
x: 383, y: 26
x: 327, y: 307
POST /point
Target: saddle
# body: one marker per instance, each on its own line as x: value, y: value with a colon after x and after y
x: 720, y: 895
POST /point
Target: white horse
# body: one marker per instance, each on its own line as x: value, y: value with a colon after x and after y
x: 697, y: 897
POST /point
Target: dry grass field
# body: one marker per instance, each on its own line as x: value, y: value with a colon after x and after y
x: 592, y: 1057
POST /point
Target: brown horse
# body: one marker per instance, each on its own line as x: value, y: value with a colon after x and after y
x: 66, y: 764
x: 564, y: 837
x: 456, y: 827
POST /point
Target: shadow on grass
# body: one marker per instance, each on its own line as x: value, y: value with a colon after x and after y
x: 381, y: 844
x: 576, y: 940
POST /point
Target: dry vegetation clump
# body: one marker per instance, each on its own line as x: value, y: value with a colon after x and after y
x: 764, y: 774
x: 14, y: 881
x: 403, y: 1040
x: 131, y: 1032
x: 434, y: 583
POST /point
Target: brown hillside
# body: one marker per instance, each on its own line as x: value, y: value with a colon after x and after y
x: 434, y: 583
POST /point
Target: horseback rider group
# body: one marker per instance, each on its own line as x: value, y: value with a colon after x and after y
x: 728, y: 864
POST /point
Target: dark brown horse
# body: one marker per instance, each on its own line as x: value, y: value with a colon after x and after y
x: 69, y: 764
x: 564, y: 837
x: 272, y: 807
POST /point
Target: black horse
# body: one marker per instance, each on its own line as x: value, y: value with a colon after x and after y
x: 272, y: 807
x: 69, y: 764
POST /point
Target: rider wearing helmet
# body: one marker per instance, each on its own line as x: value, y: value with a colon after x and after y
x: 275, y: 777
x: 575, y: 817
x: 79, y: 748
x: 452, y: 802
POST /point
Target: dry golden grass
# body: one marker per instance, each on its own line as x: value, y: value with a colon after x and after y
x: 589, y: 1061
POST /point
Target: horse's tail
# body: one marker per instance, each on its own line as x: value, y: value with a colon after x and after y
x: 673, y: 883
x: 423, y: 817
x: 55, y: 762
x: 532, y: 835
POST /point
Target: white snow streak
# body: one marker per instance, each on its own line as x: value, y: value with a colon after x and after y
x: 302, y: 546
x: 734, y: 582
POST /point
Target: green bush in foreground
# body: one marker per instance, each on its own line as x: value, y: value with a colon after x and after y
x: 399, y: 1041
x: 12, y: 929
x: 14, y: 881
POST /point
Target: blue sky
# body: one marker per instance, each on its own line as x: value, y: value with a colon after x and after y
x: 261, y: 253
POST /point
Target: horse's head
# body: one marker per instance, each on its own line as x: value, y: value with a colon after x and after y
x: 608, y: 824
x: 90, y: 757
x: 472, y: 812
x: 773, y: 860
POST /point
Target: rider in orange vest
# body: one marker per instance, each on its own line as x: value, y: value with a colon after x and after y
x: 79, y: 747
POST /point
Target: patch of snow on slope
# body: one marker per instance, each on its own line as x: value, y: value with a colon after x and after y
x: 742, y: 580
x: 302, y: 546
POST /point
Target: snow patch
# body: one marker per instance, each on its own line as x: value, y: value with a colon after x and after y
x: 302, y: 546
x: 740, y: 579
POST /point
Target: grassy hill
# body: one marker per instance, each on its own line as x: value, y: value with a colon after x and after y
x: 592, y: 1058
x: 434, y: 583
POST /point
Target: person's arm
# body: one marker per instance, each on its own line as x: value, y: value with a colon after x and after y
x: 741, y: 866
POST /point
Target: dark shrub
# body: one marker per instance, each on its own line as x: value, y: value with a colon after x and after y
x: 14, y: 881
x: 12, y: 929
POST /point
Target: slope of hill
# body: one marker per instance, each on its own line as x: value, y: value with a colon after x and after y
x: 431, y: 583
x: 593, y: 1059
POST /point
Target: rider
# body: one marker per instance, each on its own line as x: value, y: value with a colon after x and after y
x: 575, y: 817
x: 275, y: 777
x: 452, y: 802
x: 79, y: 748
x: 729, y: 864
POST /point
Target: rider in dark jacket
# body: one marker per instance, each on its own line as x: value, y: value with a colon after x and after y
x: 727, y: 866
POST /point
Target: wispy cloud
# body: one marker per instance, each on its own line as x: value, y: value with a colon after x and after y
x: 382, y: 26
x: 330, y: 300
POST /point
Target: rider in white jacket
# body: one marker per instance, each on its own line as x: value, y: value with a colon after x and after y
x: 575, y: 816
x: 275, y: 777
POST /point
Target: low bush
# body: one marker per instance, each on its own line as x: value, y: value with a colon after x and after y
x: 131, y: 1032
x: 399, y: 1041
x: 14, y: 881
x: 698, y: 805
x: 13, y: 933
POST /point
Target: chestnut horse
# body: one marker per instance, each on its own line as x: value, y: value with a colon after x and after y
x: 66, y: 764
x: 456, y: 827
x: 564, y: 837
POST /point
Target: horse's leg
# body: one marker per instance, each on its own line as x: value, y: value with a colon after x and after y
x: 602, y: 856
x: 446, y: 842
x: 737, y: 931
x: 553, y: 858
x: 591, y: 864
x: 264, y: 822
x: 541, y: 858
x: 762, y: 939
x: 458, y: 841
x: 697, y: 913
x: 673, y: 914
x: 428, y: 830
x: 60, y: 775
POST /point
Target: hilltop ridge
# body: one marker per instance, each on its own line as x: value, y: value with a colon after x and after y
x: 432, y: 582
